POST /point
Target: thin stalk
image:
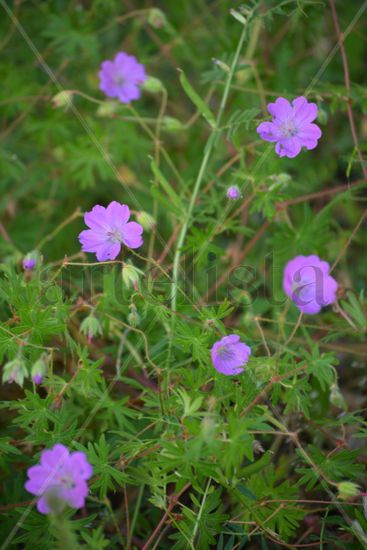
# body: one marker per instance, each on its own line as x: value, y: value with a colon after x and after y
x: 208, y: 150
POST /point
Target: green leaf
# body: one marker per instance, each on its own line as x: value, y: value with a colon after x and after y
x: 197, y: 101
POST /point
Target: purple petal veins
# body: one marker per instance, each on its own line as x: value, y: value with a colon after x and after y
x: 109, y: 228
x: 292, y: 126
x: 229, y: 355
x: 122, y: 77
x: 61, y: 477
x: 306, y: 280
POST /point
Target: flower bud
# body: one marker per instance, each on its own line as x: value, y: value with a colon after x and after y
x: 156, y: 18
x: 133, y: 317
x: 91, y: 327
x: 233, y: 193
x: 336, y: 398
x: 226, y: 68
x: 152, y: 85
x: 15, y: 371
x: 146, y: 220
x: 170, y: 124
x: 30, y: 261
x: 130, y: 276
x: 63, y: 99
x: 347, y: 489
x: 107, y: 108
x: 39, y: 369
x: 237, y: 15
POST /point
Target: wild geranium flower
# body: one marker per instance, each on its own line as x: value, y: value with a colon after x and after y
x: 229, y: 355
x: 291, y: 127
x: 122, y: 77
x: 233, y: 193
x: 307, y: 282
x: 59, y: 480
x: 109, y: 228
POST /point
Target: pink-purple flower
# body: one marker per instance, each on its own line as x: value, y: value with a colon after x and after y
x: 291, y: 127
x: 233, y: 193
x: 29, y: 263
x: 59, y: 480
x: 109, y: 228
x: 122, y: 77
x: 307, y: 281
x: 229, y: 355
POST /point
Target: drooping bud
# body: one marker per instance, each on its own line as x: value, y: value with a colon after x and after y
x: 336, y: 398
x: 146, y: 220
x: 347, y: 489
x: 31, y: 260
x: 91, y: 327
x: 133, y: 317
x: 156, y: 18
x: 107, y: 108
x: 130, y: 276
x: 15, y: 371
x: 63, y: 99
x: 170, y: 124
x: 221, y: 65
x: 39, y: 369
x: 152, y: 85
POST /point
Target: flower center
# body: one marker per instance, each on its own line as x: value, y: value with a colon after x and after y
x: 114, y: 235
x: 67, y: 482
x: 289, y: 129
x: 119, y: 80
x: 225, y: 353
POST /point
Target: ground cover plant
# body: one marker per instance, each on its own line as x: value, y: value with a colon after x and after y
x: 182, y: 277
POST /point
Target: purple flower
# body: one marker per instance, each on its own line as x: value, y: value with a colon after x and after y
x: 122, y: 77
x: 37, y: 379
x: 29, y: 263
x: 109, y: 227
x: 291, y: 127
x: 60, y: 479
x: 233, y: 192
x: 307, y: 282
x: 229, y: 355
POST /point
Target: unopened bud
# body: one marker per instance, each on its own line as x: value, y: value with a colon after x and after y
x: 152, y: 85
x: 336, y: 398
x: 130, y: 276
x: 238, y: 16
x: 91, y: 327
x: 15, y: 371
x: 170, y: 124
x: 39, y: 369
x: 221, y: 65
x: 133, y: 317
x: 107, y: 108
x: 30, y: 261
x: 63, y: 99
x: 347, y: 489
x: 146, y: 220
x: 156, y: 18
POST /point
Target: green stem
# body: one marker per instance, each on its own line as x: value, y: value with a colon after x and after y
x: 208, y: 150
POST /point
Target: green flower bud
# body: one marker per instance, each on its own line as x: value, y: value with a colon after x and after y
x: 15, y: 371
x: 152, y: 85
x: 91, y: 327
x: 336, y: 398
x: 146, y: 220
x: 39, y: 369
x: 130, y: 276
x: 238, y: 16
x: 63, y: 99
x: 347, y: 489
x: 170, y: 124
x: 226, y: 68
x: 133, y: 317
x: 107, y: 108
x: 156, y: 18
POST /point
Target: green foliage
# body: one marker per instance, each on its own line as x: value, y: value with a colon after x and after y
x: 183, y: 456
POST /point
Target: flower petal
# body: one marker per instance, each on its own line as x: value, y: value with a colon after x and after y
x: 117, y: 214
x: 131, y: 235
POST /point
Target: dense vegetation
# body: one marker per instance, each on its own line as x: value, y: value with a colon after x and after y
x: 113, y: 358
